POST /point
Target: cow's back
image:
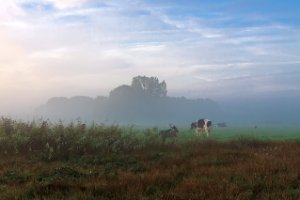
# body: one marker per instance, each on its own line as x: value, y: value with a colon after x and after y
x: 200, y: 123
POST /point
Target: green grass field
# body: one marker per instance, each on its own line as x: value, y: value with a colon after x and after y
x: 266, y: 132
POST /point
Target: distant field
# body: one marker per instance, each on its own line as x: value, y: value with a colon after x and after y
x: 40, y: 160
x: 267, y: 132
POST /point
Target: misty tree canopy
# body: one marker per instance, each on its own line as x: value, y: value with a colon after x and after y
x: 122, y: 92
x: 145, y: 101
x: 141, y: 86
x: 149, y: 86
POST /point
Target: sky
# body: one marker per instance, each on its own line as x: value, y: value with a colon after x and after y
x: 203, y: 49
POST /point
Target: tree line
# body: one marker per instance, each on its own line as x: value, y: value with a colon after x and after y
x: 145, y: 101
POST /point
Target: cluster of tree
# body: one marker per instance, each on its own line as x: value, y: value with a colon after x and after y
x: 145, y: 101
x: 141, y: 87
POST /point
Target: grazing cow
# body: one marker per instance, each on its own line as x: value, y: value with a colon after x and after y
x: 200, y: 125
x: 169, y: 133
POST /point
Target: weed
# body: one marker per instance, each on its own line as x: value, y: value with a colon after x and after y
x: 40, y: 160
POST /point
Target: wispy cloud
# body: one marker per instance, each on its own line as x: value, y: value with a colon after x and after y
x: 213, y: 48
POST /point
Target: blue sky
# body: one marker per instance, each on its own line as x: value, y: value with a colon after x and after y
x: 202, y: 49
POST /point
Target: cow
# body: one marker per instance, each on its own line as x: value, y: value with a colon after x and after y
x: 169, y: 133
x: 201, y: 125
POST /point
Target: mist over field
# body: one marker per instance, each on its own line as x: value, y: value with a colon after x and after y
x: 145, y: 102
x: 178, y: 110
x: 235, y: 62
x: 149, y: 99
x: 276, y: 110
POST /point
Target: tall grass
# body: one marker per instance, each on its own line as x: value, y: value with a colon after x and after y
x: 40, y: 160
x: 58, y: 141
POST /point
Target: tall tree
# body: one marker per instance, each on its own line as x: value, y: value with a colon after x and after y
x: 149, y: 86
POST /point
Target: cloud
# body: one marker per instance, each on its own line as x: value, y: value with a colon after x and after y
x: 63, y: 4
x: 9, y: 10
x: 200, y: 50
x: 52, y: 54
x: 10, y: 50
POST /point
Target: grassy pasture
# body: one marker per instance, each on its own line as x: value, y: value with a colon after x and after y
x: 40, y: 160
x: 263, y: 132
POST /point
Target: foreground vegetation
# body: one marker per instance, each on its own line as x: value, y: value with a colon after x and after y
x: 55, y: 161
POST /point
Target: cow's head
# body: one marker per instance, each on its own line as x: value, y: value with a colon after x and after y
x: 174, y: 130
x: 208, y: 123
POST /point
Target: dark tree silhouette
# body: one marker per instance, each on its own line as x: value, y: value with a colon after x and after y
x: 149, y: 86
x: 122, y: 92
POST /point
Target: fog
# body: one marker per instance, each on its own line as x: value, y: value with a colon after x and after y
x: 140, y: 104
x: 241, y: 57
x: 278, y: 109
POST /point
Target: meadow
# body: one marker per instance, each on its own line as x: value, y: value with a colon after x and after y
x: 41, y: 160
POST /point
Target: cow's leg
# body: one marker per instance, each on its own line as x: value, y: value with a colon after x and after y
x: 203, y: 131
x: 206, y: 130
x: 198, y: 131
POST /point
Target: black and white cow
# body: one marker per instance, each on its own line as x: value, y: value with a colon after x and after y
x: 201, y: 125
x: 169, y: 133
